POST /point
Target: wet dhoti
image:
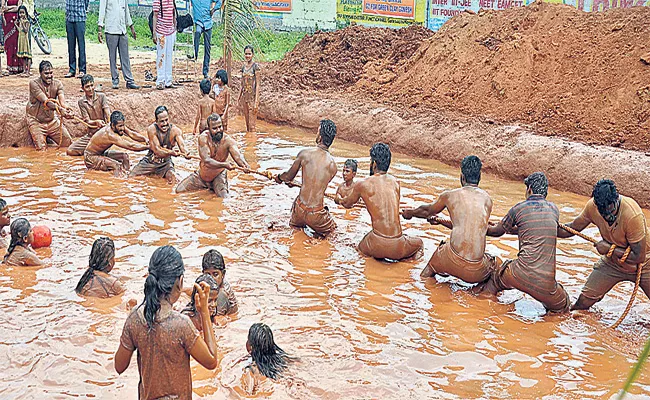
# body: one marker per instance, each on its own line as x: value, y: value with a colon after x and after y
x: 554, y: 300
x: 193, y: 182
x: 54, y: 129
x: 607, y: 274
x: 446, y: 261
x: 153, y: 166
x: 108, y: 161
x: 393, y: 248
x: 317, y: 218
x: 78, y: 147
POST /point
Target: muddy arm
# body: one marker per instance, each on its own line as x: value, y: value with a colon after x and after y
x: 290, y: 174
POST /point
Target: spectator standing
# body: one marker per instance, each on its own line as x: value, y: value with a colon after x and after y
x: 9, y: 10
x: 75, y: 27
x: 202, y: 11
x: 164, y: 36
x: 114, y: 17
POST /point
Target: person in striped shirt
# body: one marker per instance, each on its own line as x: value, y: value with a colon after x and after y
x: 164, y: 36
x: 535, y: 222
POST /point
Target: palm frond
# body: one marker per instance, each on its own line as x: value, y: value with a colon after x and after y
x: 241, y: 26
x: 636, y: 370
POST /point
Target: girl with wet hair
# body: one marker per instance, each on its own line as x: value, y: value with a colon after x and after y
x: 165, y: 339
x: 96, y: 281
x: 214, y: 265
x: 19, y: 253
x: 268, y: 359
x: 5, y: 220
x: 249, y: 94
x: 190, y: 308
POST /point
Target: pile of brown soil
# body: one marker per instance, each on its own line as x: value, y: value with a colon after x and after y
x: 331, y: 60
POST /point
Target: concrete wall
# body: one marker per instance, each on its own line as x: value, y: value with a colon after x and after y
x: 305, y: 15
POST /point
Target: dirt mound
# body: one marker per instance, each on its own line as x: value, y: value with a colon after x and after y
x: 327, y: 60
x: 567, y: 72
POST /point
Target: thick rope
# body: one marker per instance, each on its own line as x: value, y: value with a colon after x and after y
x: 579, y: 234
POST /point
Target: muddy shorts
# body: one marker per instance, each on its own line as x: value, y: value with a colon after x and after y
x: 445, y: 261
x: 153, y: 166
x: 317, y: 218
x: 109, y: 161
x: 39, y: 131
x: 194, y: 182
x: 607, y: 274
x: 395, y: 248
x: 556, y: 301
x: 79, y: 146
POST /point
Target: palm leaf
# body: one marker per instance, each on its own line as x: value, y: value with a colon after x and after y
x: 636, y: 370
x: 241, y: 26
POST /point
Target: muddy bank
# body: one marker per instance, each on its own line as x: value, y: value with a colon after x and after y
x: 507, y: 150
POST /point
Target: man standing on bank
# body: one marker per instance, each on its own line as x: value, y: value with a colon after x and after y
x: 114, y: 17
x: 164, y: 36
x: 469, y: 208
x: 622, y: 225
x: 381, y: 195
x: 75, y: 27
x: 202, y: 11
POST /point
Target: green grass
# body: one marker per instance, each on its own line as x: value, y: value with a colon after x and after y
x: 274, y: 45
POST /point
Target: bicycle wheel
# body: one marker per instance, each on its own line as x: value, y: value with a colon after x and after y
x: 41, y: 38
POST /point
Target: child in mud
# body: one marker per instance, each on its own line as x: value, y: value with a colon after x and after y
x: 19, y: 253
x: 5, y: 220
x: 268, y: 360
x: 165, y: 339
x: 215, y: 266
x: 96, y: 281
x: 249, y: 94
x: 349, y: 173
x: 190, y: 308
x: 221, y: 96
x: 205, y: 107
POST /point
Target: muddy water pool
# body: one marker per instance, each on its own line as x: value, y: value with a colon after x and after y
x: 361, y: 328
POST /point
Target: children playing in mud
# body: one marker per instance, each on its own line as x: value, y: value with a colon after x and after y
x: 96, y: 281
x: 318, y: 169
x: 214, y: 265
x: 349, y: 173
x: 204, y: 109
x: 19, y: 252
x: 190, y: 309
x: 94, y: 111
x: 249, y: 94
x: 268, y: 360
x: 221, y: 96
x: 165, y: 339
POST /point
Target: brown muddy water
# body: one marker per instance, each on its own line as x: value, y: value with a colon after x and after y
x: 361, y: 328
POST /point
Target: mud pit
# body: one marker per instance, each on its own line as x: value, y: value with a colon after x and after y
x: 362, y: 329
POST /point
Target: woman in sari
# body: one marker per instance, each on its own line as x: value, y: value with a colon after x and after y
x: 14, y: 64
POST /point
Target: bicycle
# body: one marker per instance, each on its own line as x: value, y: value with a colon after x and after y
x: 39, y: 35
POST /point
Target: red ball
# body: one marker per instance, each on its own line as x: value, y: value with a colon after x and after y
x: 42, y: 236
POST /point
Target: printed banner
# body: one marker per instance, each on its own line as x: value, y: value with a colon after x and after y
x: 353, y: 11
x: 390, y: 8
x: 604, y: 5
x: 442, y: 10
x: 282, y: 6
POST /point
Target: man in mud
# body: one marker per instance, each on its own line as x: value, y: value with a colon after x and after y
x: 94, y: 111
x: 622, y: 226
x: 535, y: 221
x: 381, y: 195
x: 163, y: 136
x: 318, y: 169
x: 469, y: 208
x: 214, y: 149
x: 97, y: 154
x: 42, y: 121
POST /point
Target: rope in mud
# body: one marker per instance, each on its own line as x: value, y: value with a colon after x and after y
x: 269, y: 175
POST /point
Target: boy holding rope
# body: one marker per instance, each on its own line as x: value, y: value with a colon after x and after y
x: 624, y: 247
x: 94, y: 111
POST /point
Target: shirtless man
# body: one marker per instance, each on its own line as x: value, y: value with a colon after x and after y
x: 94, y: 111
x: 469, y: 208
x: 214, y: 149
x: 349, y: 173
x: 381, y: 195
x: 163, y: 136
x: 622, y: 225
x: 97, y: 154
x: 535, y: 222
x: 318, y: 169
x: 42, y: 122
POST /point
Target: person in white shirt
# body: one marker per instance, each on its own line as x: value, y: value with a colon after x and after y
x: 114, y: 17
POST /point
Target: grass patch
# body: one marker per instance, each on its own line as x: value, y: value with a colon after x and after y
x: 274, y: 45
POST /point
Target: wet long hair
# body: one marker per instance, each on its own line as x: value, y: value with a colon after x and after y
x: 270, y: 359
x: 191, y: 306
x: 100, y: 258
x: 165, y: 267
x: 19, y: 229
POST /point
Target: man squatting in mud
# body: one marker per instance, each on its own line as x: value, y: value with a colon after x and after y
x: 463, y: 256
x: 318, y: 169
x: 97, y: 155
x: 163, y: 136
x: 381, y: 195
x: 622, y: 224
x: 214, y: 149
x: 94, y: 111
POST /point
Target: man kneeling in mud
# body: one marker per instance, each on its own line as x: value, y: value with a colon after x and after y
x: 214, y: 149
x: 469, y: 208
x: 318, y: 169
x: 381, y: 195
x: 97, y: 154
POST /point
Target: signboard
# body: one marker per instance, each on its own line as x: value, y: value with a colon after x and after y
x: 281, y: 6
x: 390, y: 8
x: 604, y: 5
x: 180, y: 4
x: 442, y: 10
